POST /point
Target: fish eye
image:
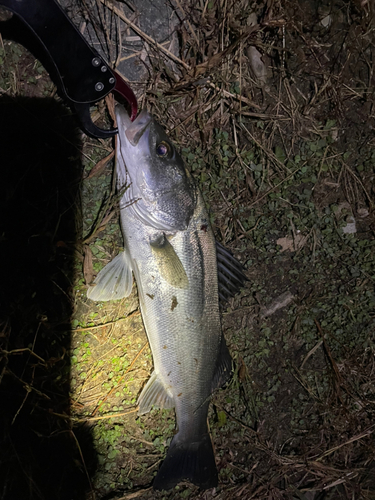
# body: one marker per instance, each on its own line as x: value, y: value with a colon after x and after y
x: 163, y: 149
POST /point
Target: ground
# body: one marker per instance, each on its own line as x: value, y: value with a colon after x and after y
x: 272, y: 106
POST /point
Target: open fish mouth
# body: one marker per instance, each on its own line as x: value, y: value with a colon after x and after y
x: 133, y: 130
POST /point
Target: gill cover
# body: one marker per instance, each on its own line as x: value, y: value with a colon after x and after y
x: 162, y: 192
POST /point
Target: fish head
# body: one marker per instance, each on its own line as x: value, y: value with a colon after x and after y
x: 164, y: 191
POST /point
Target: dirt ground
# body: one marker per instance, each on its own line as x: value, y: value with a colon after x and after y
x: 272, y: 106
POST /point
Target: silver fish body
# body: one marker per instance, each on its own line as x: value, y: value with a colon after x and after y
x: 170, y: 247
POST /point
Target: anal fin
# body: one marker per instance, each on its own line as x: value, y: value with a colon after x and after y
x: 155, y: 395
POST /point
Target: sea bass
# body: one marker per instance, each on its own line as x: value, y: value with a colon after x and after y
x: 170, y: 248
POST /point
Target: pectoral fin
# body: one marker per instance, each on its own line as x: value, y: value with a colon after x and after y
x: 168, y: 262
x: 114, y: 281
x: 154, y: 395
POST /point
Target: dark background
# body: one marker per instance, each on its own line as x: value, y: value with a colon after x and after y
x: 39, y: 205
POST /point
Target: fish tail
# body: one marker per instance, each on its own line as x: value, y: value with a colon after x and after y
x: 192, y: 461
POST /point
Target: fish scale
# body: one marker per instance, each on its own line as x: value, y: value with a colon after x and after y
x: 191, y: 320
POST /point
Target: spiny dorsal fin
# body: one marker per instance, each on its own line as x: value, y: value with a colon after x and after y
x: 230, y: 272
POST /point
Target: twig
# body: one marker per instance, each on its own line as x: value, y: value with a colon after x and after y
x: 135, y: 54
x: 234, y: 96
x: 268, y: 153
x: 103, y: 417
x: 328, y: 351
x: 274, y: 187
x: 348, y: 169
x: 25, y: 349
x: 363, y: 434
x: 136, y: 494
x: 142, y: 34
x: 83, y: 463
x: 102, y: 325
x: 188, y: 22
x: 311, y: 352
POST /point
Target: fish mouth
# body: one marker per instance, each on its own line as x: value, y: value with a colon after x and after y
x: 133, y: 130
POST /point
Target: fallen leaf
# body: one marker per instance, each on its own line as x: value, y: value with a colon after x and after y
x: 110, y: 102
x: 279, y: 303
x: 291, y: 244
x: 100, y: 166
x: 88, y: 270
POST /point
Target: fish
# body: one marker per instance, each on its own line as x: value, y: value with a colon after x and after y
x: 169, y: 247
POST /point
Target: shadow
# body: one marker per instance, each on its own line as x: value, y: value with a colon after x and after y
x: 41, y: 455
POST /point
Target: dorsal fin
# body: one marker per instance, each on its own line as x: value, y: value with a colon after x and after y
x: 230, y: 272
x: 223, y: 368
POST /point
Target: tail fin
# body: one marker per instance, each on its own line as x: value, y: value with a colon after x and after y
x: 194, y: 462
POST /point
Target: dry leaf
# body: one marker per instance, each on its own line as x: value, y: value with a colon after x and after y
x: 88, y: 270
x: 257, y: 66
x: 100, y: 166
x: 291, y: 244
x: 279, y: 303
x: 110, y: 102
